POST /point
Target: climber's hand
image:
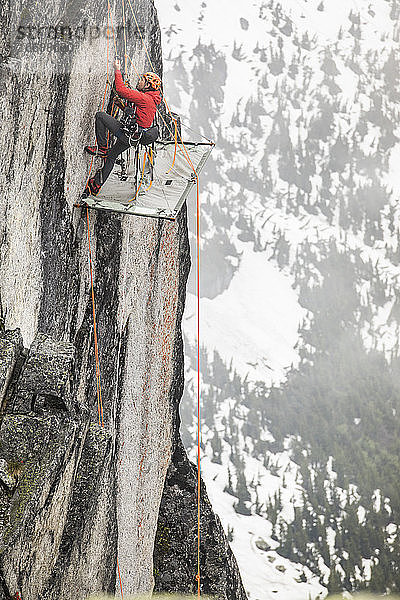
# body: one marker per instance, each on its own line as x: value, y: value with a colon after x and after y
x: 118, y: 102
x: 117, y: 64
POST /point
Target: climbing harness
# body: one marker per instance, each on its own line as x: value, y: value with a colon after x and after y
x: 129, y: 126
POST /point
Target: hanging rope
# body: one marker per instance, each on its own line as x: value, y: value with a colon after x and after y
x: 120, y: 580
x: 176, y: 143
x: 140, y: 33
x: 133, y: 66
x: 141, y: 179
x: 150, y: 157
x: 112, y: 28
x: 124, y: 27
x: 198, y: 386
x: 96, y: 349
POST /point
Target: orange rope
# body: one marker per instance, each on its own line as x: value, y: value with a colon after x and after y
x: 116, y: 53
x: 124, y: 25
x: 134, y: 68
x: 112, y: 27
x: 120, y: 580
x: 103, y: 100
x: 152, y: 164
x: 176, y: 143
x: 186, y: 153
x: 140, y: 33
x: 96, y: 349
x: 98, y: 380
x: 108, y: 54
x: 141, y: 180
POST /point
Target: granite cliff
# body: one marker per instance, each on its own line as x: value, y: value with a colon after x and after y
x: 76, y: 494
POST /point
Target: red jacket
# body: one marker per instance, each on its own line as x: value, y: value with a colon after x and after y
x: 145, y: 102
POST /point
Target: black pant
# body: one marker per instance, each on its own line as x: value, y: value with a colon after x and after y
x: 105, y: 122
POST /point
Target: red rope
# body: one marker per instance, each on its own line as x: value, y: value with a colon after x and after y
x: 198, y: 387
x: 120, y: 580
x: 96, y: 349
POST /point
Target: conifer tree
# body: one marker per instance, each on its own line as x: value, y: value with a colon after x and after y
x: 229, y: 488
x: 216, y: 446
x: 242, y: 494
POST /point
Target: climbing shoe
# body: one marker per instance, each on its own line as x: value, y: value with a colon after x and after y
x: 95, y: 151
x: 92, y: 188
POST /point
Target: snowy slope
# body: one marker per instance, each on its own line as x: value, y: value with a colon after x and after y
x: 247, y: 30
x: 254, y: 322
x: 292, y: 92
x: 245, y: 26
x: 265, y: 574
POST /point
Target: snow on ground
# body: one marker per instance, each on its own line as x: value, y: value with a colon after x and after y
x: 254, y: 322
x: 262, y: 578
x: 393, y: 179
x: 265, y: 573
x: 246, y: 26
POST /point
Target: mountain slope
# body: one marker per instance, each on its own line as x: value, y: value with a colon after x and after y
x: 300, y: 256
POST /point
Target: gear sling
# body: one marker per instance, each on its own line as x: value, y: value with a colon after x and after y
x: 128, y: 134
x: 137, y: 136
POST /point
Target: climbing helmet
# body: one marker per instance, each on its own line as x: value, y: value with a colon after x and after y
x: 153, y: 80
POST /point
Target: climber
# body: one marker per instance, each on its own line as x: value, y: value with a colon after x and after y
x: 135, y: 127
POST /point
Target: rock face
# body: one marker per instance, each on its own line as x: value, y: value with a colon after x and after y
x: 54, y: 464
x: 78, y: 492
x: 45, y: 377
x: 176, y: 539
x: 10, y: 348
